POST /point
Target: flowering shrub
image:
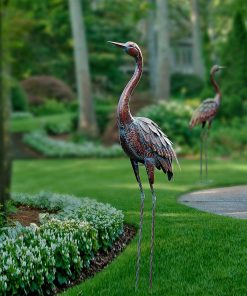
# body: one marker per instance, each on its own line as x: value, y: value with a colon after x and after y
x: 34, y: 260
x: 47, y: 200
x: 27, y: 264
x: 39, y: 141
x: 98, y: 215
x: 229, y: 137
x: 103, y: 217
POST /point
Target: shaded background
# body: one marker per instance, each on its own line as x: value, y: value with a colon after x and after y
x: 180, y: 43
x: 61, y: 80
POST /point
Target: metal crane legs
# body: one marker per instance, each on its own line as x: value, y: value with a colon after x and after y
x: 204, y: 146
x: 136, y: 171
x: 150, y: 172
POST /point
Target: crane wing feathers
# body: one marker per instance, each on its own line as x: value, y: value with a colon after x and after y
x: 205, y: 111
x: 155, y: 138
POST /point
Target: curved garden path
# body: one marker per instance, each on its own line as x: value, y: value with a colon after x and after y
x: 227, y: 201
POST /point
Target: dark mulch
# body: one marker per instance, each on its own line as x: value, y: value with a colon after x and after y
x: 61, y: 137
x: 102, y: 259
x: 26, y: 215
x: 20, y: 150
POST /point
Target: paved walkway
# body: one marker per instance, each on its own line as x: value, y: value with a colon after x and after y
x: 228, y: 201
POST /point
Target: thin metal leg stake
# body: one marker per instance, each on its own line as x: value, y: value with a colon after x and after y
x: 152, y: 237
x: 201, y: 146
x: 140, y: 237
x: 206, y: 155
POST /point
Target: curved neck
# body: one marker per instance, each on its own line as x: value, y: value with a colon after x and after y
x: 216, y: 88
x: 123, y: 110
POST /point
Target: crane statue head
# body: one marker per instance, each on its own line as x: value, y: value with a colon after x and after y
x: 216, y: 68
x: 131, y: 48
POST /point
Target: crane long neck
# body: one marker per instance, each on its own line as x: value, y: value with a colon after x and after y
x: 123, y: 111
x: 216, y: 88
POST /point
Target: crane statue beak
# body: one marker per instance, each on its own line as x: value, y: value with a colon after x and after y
x: 121, y: 45
x: 222, y: 67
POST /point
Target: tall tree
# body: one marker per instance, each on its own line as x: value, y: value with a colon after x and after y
x: 5, y: 159
x: 234, y: 78
x: 151, y: 34
x: 197, y: 52
x: 162, y: 86
x: 87, y: 119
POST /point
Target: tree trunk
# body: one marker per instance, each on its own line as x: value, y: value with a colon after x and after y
x: 87, y: 118
x: 5, y: 155
x: 196, y: 41
x: 162, y: 89
x: 210, y: 30
x: 152, y: 51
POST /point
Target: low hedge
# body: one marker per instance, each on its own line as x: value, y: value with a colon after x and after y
x: 36, y: 260
x: 40, y: 142
x: 54, y: 128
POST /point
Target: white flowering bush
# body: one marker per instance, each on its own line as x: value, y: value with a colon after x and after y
x: 34, y: 260
x: 40, y: 142
x: 27, y: 263
x: 47, y: 200
x: 97, y: 214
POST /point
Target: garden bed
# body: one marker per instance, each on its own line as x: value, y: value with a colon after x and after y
x: 102, y: 259
x: 27, y: 215
x: 22, y: 151
x: 68, y: 240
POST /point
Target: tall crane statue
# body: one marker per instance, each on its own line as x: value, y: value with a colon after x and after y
x: 143, y: 142
x: 205, y: 114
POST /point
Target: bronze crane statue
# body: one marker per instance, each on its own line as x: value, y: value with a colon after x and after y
x: 144, y: 142
x: 204, y: 114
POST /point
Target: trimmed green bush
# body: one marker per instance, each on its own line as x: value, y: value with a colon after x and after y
x: 36, y: 260
x: 50, y: 107
x: 104, y: 109
x: 18, y: 98
x: 55, y: 128
x: 230, y: 137
x: 39, y: 141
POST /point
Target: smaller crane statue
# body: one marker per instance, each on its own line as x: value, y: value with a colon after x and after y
x: 204, y: 114
x: 144, y: 142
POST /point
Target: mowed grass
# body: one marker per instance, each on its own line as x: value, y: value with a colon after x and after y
x: 196, y: 253
x: 33, y: 123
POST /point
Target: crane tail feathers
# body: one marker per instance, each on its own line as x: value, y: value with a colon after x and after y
x: 169, y: 175
x: 178, y: 164
x: 166, y: 166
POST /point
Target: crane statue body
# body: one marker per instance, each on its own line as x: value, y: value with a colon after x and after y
x: 144, y: 142
x: 205, y: 114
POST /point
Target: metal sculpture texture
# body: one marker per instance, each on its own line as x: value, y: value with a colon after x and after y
x: 144, y: 142
x: 204, y: 114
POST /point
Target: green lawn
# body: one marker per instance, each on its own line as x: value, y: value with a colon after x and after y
x: 196, y: 253
x: 33, y: 123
